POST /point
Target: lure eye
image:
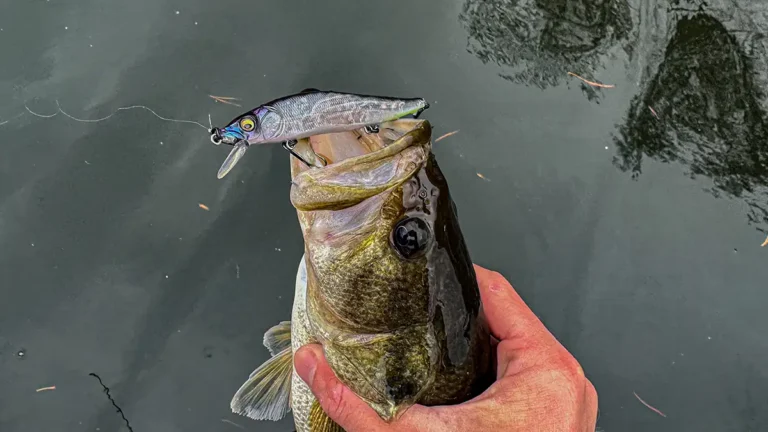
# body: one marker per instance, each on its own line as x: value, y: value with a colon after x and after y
x: 411, y: 237
x: 247, y: 124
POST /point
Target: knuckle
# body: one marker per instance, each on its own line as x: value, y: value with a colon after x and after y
x: 575, y: 387
x: 568, y: 391
x: 568, y: 365
x: 497, y: 281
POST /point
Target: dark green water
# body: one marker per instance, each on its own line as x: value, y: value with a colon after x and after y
x: 629, y: 218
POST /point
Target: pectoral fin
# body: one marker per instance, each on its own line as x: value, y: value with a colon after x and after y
x: 234, y: 157
x: 278, y: 337
x: 266, y: 394
x: 320, y: 422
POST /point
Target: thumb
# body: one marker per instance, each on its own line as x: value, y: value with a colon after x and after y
x: 339, y: 402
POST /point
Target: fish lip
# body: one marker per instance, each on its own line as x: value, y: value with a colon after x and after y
x: 300, y: 175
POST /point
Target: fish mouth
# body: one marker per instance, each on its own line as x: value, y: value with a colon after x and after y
x: 341, y: 150
x: 359, y: 164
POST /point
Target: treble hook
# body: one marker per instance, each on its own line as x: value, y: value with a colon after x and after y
x: 290, y: 145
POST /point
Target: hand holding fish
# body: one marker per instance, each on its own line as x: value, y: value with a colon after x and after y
x: 540, y: 385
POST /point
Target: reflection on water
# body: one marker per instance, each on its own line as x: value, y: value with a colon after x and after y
x: 703, y: 107
x: 537, y: 42
x: 702, y: 69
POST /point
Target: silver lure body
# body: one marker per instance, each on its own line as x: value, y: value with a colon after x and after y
x: 318, y: 112
x: 311, y: 112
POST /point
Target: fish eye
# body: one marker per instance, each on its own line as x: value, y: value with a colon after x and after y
x: 248, y: 124
x: 410, y: 237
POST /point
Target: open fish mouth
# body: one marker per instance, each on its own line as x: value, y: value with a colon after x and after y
x: 344, y: 150
x: 358, y: 165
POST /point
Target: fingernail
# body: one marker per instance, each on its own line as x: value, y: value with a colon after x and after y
x: 306, y: 363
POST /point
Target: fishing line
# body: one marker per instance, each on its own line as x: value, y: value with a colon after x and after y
x: 40, y: 115
x: 60, y: 110
x: 13, y: 118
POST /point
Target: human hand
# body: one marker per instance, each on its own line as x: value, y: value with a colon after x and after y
x: 539, y: 385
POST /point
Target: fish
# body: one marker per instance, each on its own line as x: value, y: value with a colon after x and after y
x: 385, y: 284
x: 307, y: 113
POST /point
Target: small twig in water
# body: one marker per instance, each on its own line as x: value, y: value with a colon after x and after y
x: 765, y: 243
x: 592, y: 83
x: 203, y: 206
x: 656, y: 410
x: 232, y: 423
x: 447, y: 135
x: 225, y: 100
x: 106, y: 390
x: 653, y: 112
x: 483, y: 177
x: 45, y: 389
x: 59, y: 110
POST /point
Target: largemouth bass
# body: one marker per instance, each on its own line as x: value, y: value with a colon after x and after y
x: 386, y: 284
x: 310, y: 112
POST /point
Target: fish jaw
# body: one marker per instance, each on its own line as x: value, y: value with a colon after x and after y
x: 350, y: 181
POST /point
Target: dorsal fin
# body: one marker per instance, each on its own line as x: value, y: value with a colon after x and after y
x: 309, y: 90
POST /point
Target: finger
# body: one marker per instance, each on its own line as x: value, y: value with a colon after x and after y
x: 338, y: 401
x: 343, y: 405
x: 508, y: 315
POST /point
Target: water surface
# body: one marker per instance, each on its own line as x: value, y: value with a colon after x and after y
x: 629, y: 218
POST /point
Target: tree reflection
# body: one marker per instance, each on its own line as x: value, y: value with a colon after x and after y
x: 702, y: 109
x: 538, y: 42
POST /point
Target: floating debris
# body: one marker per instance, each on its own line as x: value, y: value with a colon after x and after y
x: 656, y: 410
x: 203, y: 206
x: 483, y: 177
x: 225, y: 99
x: 765, y: 243
x: 45, y: 389
x: 653, y: 112
x: 232, y: 423
x: 592, y: 83
x: 447, y: 135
